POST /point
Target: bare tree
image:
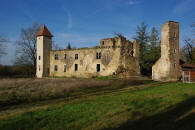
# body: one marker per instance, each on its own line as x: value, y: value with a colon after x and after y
x: 188, y: 50
x: 193, y: 28
x: 26, y: 46
x: 3, y: 40
x: 120, y: 35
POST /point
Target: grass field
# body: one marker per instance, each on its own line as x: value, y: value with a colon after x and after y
x: 95, y: 104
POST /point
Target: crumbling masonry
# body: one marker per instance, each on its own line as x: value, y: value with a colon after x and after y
x: 167, y: 68
x: 114, y: 56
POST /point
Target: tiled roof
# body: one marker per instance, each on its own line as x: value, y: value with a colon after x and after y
x: 186, y: 65
x: 44, y: 32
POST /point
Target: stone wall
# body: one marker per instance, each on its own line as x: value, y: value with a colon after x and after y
x: 167, y: 68
x: 118, y: 57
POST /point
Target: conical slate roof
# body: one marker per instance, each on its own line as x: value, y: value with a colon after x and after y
x: 44, y: 32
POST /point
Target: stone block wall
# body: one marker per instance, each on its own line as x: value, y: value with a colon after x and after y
x: 167, y: 68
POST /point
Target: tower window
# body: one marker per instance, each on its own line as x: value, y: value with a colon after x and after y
x: 55, y: 68
x: 98, y: 67
x: 174, y: 50
x: 56, y: 56
x: 39, y: 57
x: 76, y: 67
x: 98, y: 55
x: 64, y: 68
x: 76, y: 57
x: 64, y: 56
x: 175, y: 35
x: 102, y: 42
x: 174, y: 65
x: 39, y: 67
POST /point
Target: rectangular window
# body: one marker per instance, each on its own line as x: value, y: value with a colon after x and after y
x: 64, y: 68
x: 175, y: 50
x: 98, y: 68
x: 64, y: 56
x: 76, y: 67
x: 76, y: 57
x: 55, y: 68
x: 98, y: 55
x: 39, y: 57
x: 175, y: 35
x: 56, y: 56
x: 102, y: 42
x: 39, y: 67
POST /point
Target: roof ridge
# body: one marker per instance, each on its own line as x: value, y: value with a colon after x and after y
x: 44, y: 32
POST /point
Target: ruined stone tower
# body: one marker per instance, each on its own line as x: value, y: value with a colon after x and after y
x: 44, y: 46
x: 167, y: 68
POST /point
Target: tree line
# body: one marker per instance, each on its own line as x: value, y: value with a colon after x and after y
x: 25, y: 60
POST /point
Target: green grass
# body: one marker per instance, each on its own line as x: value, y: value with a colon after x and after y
x: 137, y: 109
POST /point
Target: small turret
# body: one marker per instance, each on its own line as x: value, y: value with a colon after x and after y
x: 44, y: 46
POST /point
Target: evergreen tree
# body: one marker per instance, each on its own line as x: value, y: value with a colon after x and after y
x: 149, y: 48
x: 69, y: 46
x: 153, y: 53
x: 142, y: 37
x: 154, y: 39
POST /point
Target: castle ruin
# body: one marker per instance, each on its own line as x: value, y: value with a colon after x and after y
x: 114, y: 56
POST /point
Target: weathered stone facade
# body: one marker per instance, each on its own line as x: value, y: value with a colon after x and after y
x: 167, y: 68
x: 114, y: 56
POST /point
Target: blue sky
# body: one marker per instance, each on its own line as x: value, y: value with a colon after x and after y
x: 85, y: 22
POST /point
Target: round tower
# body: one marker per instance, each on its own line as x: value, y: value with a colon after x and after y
x: 44, y: 46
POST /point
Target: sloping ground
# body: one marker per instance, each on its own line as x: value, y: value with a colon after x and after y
x: 163, y: 106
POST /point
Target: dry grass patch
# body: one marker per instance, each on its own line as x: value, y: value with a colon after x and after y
x: 17, y: 91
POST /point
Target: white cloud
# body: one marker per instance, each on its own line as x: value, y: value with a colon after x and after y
x: 68, y: 13
x: 95, y: 12
x: 69, y: 25
x: 132, y: 3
